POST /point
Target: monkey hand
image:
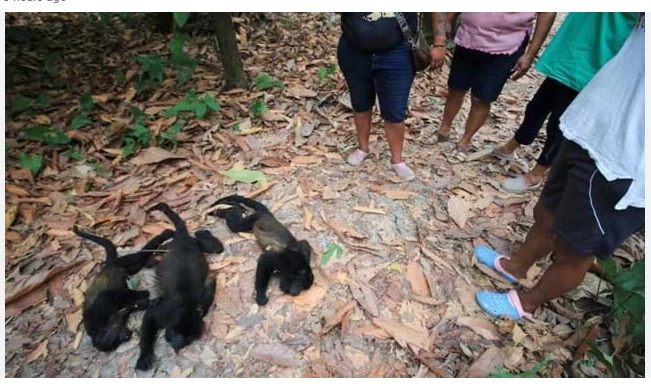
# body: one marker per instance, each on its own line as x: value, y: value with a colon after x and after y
x: 261, y: 299
x: 145, y: 362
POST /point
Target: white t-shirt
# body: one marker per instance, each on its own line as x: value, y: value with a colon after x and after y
x: 607, y: 118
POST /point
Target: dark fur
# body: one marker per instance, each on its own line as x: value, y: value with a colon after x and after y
x: 186, y: 292
x: 109, y: 301
x: 281, y: 252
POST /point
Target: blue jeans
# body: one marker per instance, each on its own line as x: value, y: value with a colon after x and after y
x: 389, y: 75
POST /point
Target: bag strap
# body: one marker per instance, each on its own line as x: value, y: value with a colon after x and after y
x: 406, y: 31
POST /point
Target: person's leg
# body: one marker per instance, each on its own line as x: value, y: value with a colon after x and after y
x: 357, y: 70
x: 487, y: 82
x: 394, y: 75
x: 459, y: 82
x: 539, y: 240
x: 479, y: 110
x: 586, y: 224
x: 535, y: 114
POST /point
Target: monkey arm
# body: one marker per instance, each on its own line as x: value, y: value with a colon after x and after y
x: 267, y: 264
x: 208, y: 242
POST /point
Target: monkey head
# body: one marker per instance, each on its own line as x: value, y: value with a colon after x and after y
x: 186, y: 328
x: 110, y: 334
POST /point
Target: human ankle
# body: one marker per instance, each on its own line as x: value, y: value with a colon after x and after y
x: 508, y: 267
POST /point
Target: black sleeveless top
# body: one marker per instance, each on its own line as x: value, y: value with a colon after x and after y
x: 375, y: 32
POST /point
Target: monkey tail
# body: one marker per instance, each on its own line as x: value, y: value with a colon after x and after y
x: 111, y: 251
x: 179, y: 225
x: 239, y: 199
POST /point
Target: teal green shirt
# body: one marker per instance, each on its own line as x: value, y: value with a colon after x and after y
x: 583, y: 44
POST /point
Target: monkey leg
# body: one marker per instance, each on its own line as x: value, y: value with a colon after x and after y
x: 267, y: 264
x: 237, y: 223
x: 208, y: 242
x: 208, y: 296
x: 134, y: 262
x: 154, y: 319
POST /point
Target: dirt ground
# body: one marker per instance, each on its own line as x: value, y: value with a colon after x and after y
x: 398, y: 302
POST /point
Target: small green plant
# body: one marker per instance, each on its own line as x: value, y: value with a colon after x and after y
x: 33, y: 163
x: 530, y: 373
x: 121, y: 77
x: 199, y: 105
x: 168, y: 137
x: 138, y: 136
x: 325, y: 72
x: 19, y: 103
x: 75, y: 154
x: 151, y: 73
x: 626, y: 318
x: 245, y: 175
x: 86, y: 106
x: 264, y: 81
x: 94, y: 165
x: 180, y: 60
x: 180, y: 18
x: 48, y: 135
x: 332, y: 250
x: 43, y: 100
x: 258, y: 108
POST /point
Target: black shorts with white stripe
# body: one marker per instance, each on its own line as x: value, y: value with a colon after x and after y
x: 583, y: 203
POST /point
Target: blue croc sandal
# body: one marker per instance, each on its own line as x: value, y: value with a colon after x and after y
x: 501, y: 304
x: 490, y: 258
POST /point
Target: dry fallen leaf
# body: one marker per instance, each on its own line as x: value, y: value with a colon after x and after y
x: 73, y: 320
x: 489, y: 362
x: 372, y: 331
x: 19, y: 305
x: 369, y: 210
x: 153, y: 155
x: 404, y: 334
x: 518, y: 334
x: 480, y: 326
x: 307, y: 160
x: 16, y: 190
x: 338, y: 316
x: 38, y: 351
x: 417, y: 279
x: 277, y: 354
x: 459, y: 210
x: 299, y: 91
x: 10, y: 215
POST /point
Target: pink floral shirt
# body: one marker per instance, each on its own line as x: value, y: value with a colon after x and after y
x: 494, y: 32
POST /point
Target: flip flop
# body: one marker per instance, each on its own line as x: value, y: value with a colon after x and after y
x: 357, y: 157
x: 505, y: 156
x: 518, y: 185
x: 502, y: 304
x: 490, y: 258
x: 440, y: 137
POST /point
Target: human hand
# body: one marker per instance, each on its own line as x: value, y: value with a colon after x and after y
x: 521, y: 66
x: 437, y: 54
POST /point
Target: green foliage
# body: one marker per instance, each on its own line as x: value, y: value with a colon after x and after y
x: 151, y: 73
x: 80, y: 121
x: 530, y: 373
x: 332, y: 249
x: 94, y: 165
x: 323, y: 73
x: 19, y: 103
x: 182, y: 62
x: 199, y: 105
x: 138, y: 136
x: 51, y: 62
x: 121, y: 77
x: 626, y: 316
x: 74, y: 154
x: 48, y: 135
x: 245, y: 175
x: 264, y: 81
x: 169, y: 136
x: 86, y: 104
x: 258, y: 108
x: 43, y: 100
x: 180, y: 18
x: 34, y: 164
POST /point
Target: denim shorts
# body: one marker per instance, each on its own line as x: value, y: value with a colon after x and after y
x: 483, y: 73
x: 389, y: 75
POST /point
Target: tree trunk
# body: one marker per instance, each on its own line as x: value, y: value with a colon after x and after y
x: 234, y: 76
